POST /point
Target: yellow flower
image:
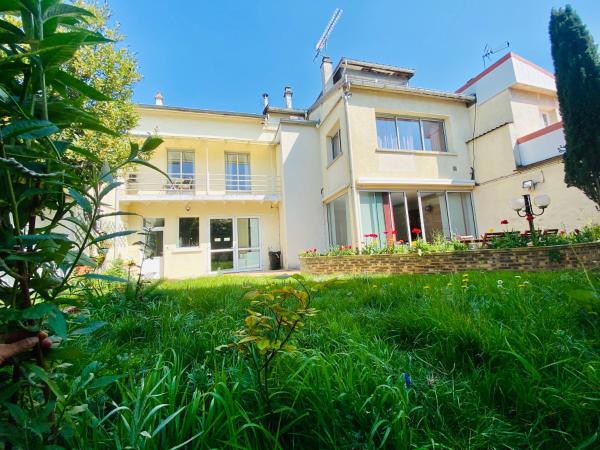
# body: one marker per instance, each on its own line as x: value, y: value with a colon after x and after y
x: 490, y: 230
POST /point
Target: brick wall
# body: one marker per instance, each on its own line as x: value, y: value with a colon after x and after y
x: 515, y: 259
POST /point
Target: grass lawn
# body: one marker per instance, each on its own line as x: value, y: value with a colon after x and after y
x: 512, y: 361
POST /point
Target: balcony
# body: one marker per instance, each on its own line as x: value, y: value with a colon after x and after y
x: 541, y: 144
x: 151, y: 186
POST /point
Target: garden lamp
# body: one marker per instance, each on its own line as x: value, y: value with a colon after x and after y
x: 523, y: 207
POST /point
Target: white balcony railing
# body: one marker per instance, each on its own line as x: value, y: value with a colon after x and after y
x: 152, y: 185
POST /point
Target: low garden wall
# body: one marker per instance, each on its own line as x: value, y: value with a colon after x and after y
x: 527, y: 259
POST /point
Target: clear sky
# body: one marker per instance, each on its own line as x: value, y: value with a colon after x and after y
x: 224, y: 54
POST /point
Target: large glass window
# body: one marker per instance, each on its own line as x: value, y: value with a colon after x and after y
x: 462, y: 218
x: 414, y: 215
x: 399, y: 133
x: 387, y: 137
x: 237, y: 171
x: 335, y: 146
x: 248, y: 244
x: 189, y: 232
x: 384, y: 214
x: 337, y: 221
x: 180, y: 165
x: 435, y: 215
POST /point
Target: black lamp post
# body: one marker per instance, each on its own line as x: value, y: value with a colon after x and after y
x: 524, y: 208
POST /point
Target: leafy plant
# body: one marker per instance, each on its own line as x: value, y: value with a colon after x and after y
x: 51, y: 199
x: 275, y: 314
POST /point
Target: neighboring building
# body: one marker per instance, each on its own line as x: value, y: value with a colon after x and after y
x: 517, y: 146
x: 372, y: 155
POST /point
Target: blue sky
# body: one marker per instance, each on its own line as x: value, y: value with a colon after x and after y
x: 224, y: 54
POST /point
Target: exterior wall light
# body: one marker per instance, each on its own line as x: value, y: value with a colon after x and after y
x: 523, y: 207
x: 528, y: 184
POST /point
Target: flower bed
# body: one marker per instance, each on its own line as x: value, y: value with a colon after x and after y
x: 527, y: 259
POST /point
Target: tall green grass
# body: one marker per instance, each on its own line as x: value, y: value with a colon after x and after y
x: 511, y: 361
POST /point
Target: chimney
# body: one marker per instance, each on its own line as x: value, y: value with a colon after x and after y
x: 265, y: 97
x: 287, y: 94
x: 326, y: 73
x: 158, y: 99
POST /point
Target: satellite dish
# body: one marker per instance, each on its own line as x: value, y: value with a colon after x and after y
x: 322, y: 42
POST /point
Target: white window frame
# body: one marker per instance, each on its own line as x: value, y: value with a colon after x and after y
x: 247, y: 182
x: 420, y: 120
x: 181, y: 174
x: 234, y: 247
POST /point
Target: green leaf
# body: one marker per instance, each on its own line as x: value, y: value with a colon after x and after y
x: 28, y: 129
x: 151, y: 143
x: 110, y: 187
x: 116, y: 234
x: 81, y: 200
x: 58, y: 323
x: 78, y: 85
x: 88, y: 329
x: 104, y: 277
x: 117, y: 213
x: 65, y: 10
x: 33, y: 238
x: 103, y: 381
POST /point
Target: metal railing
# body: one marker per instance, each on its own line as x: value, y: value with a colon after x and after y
x: 144, y: 184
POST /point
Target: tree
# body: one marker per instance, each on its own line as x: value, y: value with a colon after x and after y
x: 577, y: 67
x: 112, y: 70
x: 51, y: 197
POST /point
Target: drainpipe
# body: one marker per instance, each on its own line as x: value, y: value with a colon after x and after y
x: 346, y: 94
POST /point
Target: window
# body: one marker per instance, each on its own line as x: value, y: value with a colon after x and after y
x: 248, y: 245
x: 335, y: 146
x: 337, y: 221
x: 180, y: 165
x: 189, y: 232
x: 414, y: 214
x: 398, y: 133
x: 237, y: 172
x: 545, y: 118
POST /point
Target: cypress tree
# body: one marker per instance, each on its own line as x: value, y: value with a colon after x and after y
x: 577, y: 67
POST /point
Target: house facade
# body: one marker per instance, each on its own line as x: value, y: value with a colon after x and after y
x: 372, y: 155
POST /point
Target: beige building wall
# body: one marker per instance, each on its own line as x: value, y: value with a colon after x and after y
x: 569, y: 209
x: 373, y: 163
x: 191, y: 262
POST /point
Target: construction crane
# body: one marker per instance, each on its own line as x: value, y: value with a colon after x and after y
x: 322, y: 42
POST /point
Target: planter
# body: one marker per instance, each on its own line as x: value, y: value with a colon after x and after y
x: 530, y: 259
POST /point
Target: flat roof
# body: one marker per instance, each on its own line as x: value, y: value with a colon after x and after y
x: 366, y: 66
x: 201, y: 111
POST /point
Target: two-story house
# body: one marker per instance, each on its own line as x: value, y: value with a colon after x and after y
x: 371, y: 156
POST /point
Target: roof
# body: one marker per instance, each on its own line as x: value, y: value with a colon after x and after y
x: 416, y: 91
x: 497, y: 64
x: 201, y: 111
x: 287, y: 111
x: 383, y: 69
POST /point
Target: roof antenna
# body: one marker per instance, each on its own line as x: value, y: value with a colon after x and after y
x: 489, y: 51
x: 322, y: 42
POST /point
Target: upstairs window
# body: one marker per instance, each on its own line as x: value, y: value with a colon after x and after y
x: 399, y: 133
x: 334, y: 146
x: 180, y: 165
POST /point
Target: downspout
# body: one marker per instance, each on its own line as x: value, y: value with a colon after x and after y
x: 346, y: 94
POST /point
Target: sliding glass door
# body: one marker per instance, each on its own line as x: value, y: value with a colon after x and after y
x: 406, y: 216
x: 234, y: 244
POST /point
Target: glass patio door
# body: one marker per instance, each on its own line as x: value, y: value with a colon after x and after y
x: 385, y: 214
x: 234, y: 244
x: 221, y: 245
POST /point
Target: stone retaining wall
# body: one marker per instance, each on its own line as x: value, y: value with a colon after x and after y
x: 529, y: 259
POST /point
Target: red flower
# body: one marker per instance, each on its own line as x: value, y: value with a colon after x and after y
x: 416, y: 230
x: 367, y: 235
x: 529, y: 217
x: 385, y: 232
x: 373, y: 235
x: 394, y: 232
x: 504, y: 222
